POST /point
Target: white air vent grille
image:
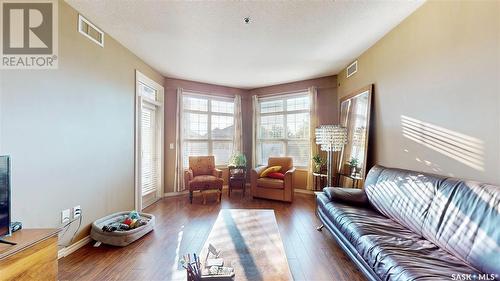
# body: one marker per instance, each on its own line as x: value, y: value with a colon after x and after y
x: 90, y: 31
x: 352, y: 68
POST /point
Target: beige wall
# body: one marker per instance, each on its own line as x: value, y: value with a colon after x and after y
x: 327, y: 106
x: 171, y: 86
x: 436, y: 81
x: 70, y: 131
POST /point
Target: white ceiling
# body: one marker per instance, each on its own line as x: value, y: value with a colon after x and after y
x: 209, y: 42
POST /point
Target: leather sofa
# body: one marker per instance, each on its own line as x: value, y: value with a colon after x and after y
x: 406, y: 225
x: 275, y: 189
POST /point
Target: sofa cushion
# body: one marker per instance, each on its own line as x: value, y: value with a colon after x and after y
x: 270, y: 183
x: 206, y: 182
x: 464, y: 219
x: 404, y: 196
x: 348, y: 195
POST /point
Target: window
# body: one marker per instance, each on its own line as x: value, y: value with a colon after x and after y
x: 208, y: 127
x: 283, y: 128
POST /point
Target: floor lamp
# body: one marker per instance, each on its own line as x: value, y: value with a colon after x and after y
x: 331, y: 138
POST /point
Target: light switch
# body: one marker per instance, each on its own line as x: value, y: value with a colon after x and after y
x: 171, y: 146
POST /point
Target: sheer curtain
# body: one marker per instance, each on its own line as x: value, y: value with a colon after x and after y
x: 238, y: 127
x: 313, y: 99
x: 179, y: 161
x: 255, y: 122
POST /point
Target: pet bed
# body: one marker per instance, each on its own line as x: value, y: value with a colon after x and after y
x: 120, y: 238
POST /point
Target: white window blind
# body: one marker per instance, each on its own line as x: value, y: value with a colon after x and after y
x: 283, y: 128
x: 150, y: 158
x: 208, y: 127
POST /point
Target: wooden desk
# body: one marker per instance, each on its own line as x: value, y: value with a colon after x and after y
x: 33, y: 258
x: 250, y: 242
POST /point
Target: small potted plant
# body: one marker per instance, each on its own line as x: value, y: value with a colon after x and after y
x: 353, y: 164
x: 319, y: 162
x: 237, y: 164
x: 238, y: 159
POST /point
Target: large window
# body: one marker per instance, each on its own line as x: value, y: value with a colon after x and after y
x: 208, y: 127
x: 283, y: 128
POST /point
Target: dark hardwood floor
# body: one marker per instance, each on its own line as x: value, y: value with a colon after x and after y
x: 182, y: 228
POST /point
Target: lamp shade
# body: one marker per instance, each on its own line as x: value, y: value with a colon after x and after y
x: 331, y: 137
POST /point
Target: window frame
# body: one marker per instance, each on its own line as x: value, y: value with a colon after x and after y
x: 209, y: 140
x: 285, y: 140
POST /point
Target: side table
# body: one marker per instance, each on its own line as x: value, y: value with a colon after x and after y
x: 319, y: 181
x: 237, y: 178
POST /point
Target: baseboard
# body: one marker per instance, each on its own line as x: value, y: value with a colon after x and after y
x: 173, y: 194
x: 73, y: 247
x: 304, y: 191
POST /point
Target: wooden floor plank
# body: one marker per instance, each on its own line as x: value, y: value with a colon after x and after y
x: 183, y: 228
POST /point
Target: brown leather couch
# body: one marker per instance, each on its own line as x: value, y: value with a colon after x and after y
x: 202, y: 175
x: 406, y: 225
x: 275, y: 189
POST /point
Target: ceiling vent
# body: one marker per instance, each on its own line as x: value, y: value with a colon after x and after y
x: 90, y: 31
x: 352, y: 68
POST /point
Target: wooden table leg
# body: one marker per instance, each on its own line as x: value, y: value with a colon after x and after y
x: 204, y: 197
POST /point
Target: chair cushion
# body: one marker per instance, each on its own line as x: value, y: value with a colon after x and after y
x: 205, y: 182
x: 270, y: 183
x: 202, y: 165
x: 272, y: 169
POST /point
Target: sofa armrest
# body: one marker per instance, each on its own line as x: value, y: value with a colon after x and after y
x: 353, y: 196
x: 217, y: 173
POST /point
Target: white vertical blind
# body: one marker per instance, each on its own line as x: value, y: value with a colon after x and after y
x: 150, y: 158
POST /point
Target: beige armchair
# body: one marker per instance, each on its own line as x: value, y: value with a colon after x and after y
x: 274, y: 188
x: 202, y: 175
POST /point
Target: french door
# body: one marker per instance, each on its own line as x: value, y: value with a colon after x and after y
x: 149, y: 142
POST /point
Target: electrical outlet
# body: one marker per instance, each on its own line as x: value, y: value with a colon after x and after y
x: 65, y: 216
x: 77, y: 211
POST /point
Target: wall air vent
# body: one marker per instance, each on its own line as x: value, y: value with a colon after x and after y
x: 90, y: 31
x: 352, y: 68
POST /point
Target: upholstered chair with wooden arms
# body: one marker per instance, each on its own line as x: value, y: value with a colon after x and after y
x: 202, y: 175
x: 272, y: 188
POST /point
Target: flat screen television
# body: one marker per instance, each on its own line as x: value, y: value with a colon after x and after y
x: 4, y: 196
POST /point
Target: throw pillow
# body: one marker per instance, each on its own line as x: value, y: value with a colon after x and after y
x: 276, y: 175
x: 269, y: 170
